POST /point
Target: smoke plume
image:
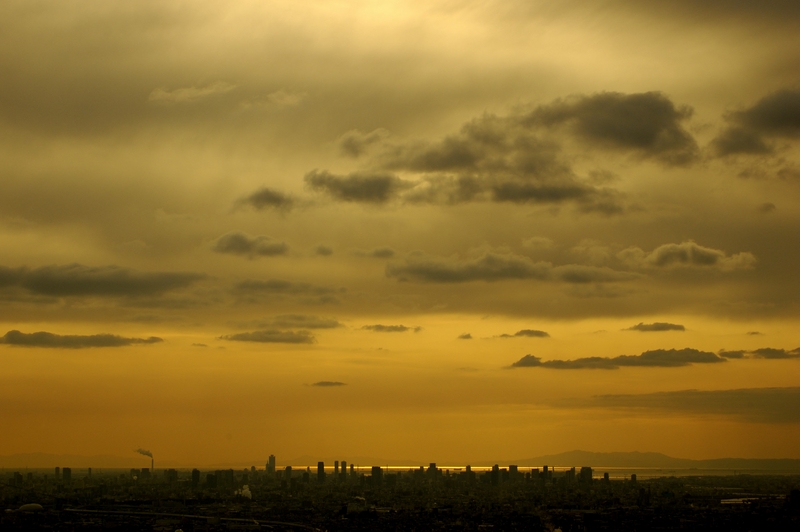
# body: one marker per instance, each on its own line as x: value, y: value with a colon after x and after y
x: 144, y: 452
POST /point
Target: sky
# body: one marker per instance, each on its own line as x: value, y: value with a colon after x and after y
x: 441, y: 230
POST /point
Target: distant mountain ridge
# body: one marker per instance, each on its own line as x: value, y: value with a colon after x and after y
x: 643, y: 460
x: 637, y: 459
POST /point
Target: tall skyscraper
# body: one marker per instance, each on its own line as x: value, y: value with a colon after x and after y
x: 336, y: 469
x: 344, y: 470
x: 271, y: 465
x: 320, y: 472
x: 67, y: 474
x: 377, y: 476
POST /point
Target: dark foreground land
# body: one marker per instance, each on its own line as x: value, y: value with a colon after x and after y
x: 424, y: 499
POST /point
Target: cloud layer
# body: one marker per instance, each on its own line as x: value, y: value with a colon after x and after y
x: 47, y: 339
x: 236, y: 243
x: 529, y: 333
x: 79, y: 280
x: 656, y: 327
x: 272, y: 336
x: 329, y: 384
x: 390, y: 328
x: 657, y: 358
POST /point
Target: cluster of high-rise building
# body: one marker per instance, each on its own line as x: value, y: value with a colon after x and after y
x: 343, y: 497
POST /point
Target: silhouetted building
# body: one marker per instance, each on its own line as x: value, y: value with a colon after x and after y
x: 224, y: 477
x: 66, y: 474
x: 287, y: 473
x: 320, y: 471
x: 633, y: 477
x: 433, y: 471
x: 569, y: 476
x: 211, y: 480
x: 377, y: 476
x: 352, y: 470
x: 344, y: 470
x: 195, y: 478
x: 17, y: 480
x: 586, y: 475
x: 495, y: 475
x: 144, y: 473
x: 171, y: 475
x: 271, y: 465
x: 336, y: 469
x: 513, y: 473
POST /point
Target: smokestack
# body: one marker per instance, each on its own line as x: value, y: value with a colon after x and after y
x: 145, y: 452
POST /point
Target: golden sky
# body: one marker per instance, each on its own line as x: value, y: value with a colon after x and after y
x: 441, y: 230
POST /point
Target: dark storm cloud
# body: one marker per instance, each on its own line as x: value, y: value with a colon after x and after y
x: 390, y: 328
x: 760, y: 405
x: 272, y: 336
x: 686, y: 254
x: 236, y: 243
x: 656, y: 327
x: 465, y: 336
x: 267, y: 198
x: 374, y: 188
x: 530, y: 333
x: 354, y: 143
x: 658, y: 358
x: 46, y: 339
x: 739, y: 140
x: 494, y: 158
x: 518, y: 158
x: 329, y: 384
x: 775, y: 115
x: 80, y: 280
x: 646, y: 123
x: 489, y: 267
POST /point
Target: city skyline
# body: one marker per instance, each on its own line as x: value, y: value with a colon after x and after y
x: 429, y: 231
